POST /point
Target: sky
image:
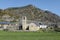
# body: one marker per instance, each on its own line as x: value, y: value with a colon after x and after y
x: 51, y: 5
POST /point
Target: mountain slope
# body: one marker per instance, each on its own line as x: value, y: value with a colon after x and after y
x: 33, y: 13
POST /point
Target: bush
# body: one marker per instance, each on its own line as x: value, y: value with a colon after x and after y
x: 5, y: 29
x: 57, y: 29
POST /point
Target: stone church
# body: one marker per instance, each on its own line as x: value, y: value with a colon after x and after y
x: 28, y: 25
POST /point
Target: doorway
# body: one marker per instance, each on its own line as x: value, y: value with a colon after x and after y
x: 20, y: 27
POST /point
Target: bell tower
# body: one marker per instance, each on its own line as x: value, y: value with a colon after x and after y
x: 24, y: 22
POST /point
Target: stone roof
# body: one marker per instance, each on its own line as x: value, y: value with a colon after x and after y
x: 7, y: 22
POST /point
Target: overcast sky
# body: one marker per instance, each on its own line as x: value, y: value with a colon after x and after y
x: 51, y: 5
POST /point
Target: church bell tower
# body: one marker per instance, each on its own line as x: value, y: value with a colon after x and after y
x: 24, y: 22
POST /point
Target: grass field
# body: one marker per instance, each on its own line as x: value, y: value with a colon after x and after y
x: 29, y: 35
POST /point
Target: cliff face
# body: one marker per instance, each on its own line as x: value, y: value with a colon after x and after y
x: 33, y: 13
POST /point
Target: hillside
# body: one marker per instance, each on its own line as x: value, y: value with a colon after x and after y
x: 32, y: 13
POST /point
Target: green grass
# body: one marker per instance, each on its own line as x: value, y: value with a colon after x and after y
x: 29, y: 35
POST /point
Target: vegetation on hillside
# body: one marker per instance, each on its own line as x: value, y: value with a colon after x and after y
x: 32, y: 13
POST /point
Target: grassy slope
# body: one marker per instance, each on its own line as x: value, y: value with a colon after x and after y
x: 28, y: 36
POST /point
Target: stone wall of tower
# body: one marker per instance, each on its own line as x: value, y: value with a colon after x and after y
x: 24, y: 22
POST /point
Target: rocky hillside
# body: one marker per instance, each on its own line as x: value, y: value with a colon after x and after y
x: 32, y: 13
